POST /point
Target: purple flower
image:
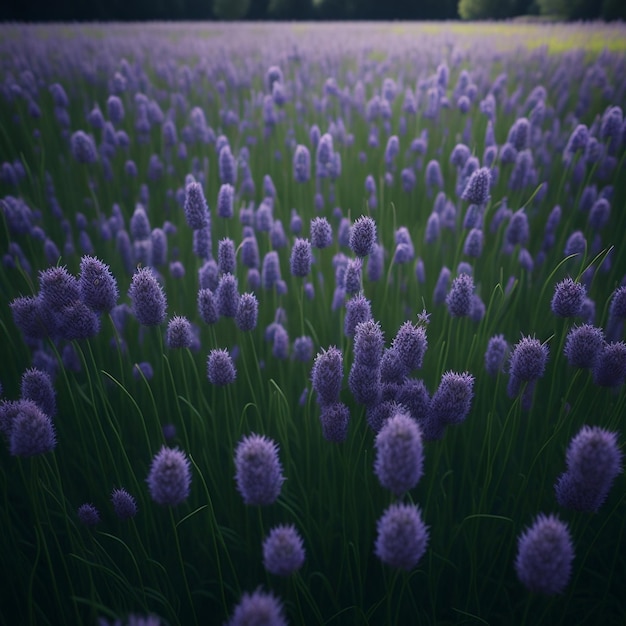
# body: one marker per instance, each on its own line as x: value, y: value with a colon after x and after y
x: 459, y: 298
x: 301, y: 257
x: 544, y: 555
x: 519, y: 134
x: 83, y: 147
x: 97, y: 286
x: 402, y: 536
x: 57, y: 289
x: 575, y: 244
x: 358, y: 309
x: 147, y: 297
x: 478, y: 186
x: 169, y: 479
x: 124, y: 505
x: 495, y: 355
x: 227, y: 296
x: 196, y: 208
x: 399, y: 462
x: 258, y: 470
x: 599, y: 214
x: 226, y: 262
x: 207, y: 306
x: 352, y: 281
x: 593, y: 461
x: 528, y: 359
x: 220, y: 367
x: 28, y: 316
x: 568, y: 298
x: 139, y: 224
x: 617, y: 308
x: 280, y: 345
x: 37, y: 387
x: 321, y: 233
x: 76, y: 321
x: 583, y: 345
x: 283, y: 550
x: 518, y: 230
x: 179, y: 333
x: 334, y: 419
x: 410, y: 344
x: 327, y: 375
x: 609, y: 368
x: 301, y: 164
x: 256, y: 609
x: 362, y: 236
x: 225, y: 197
x: 450, y: 404
x: 270, y: 272
x: 227, y: 166
x: 303, y: 349
x: 28, y: 428
x: 88, y: 514
x: 143, y: 369
x: 473, y: 246
x: 441, y: 287
x: 247, y: 312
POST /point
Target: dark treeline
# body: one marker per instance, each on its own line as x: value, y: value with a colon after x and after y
x: 131, y: 10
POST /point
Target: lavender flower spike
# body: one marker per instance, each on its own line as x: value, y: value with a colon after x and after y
x: 402, y: 536
x: 593, y: 460
x: 544, y: 555
x: 98, y: 287
x: 477, y: 187
x: 196, y: 208
x: 399, y: 460
x: 148, y: 299
x: 568, y: 298
x: 301, y: 258
x: 283, y: 550
x: 459, y: 298
x: 327, y: 375
x: 258, y: 608
x: 363, y: 236
x: 169, y: 479
x: 220, y: 367
x: 258, y: 470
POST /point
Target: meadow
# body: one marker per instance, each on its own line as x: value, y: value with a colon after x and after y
x: 312, y: 323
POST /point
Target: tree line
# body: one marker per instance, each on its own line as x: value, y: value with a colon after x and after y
x: 127, y: 10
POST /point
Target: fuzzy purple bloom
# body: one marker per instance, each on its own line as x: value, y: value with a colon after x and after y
x: 57, y: 289
x: 473, y: 246
x: 583, y: 345
x: 478, y: 186
x: 28, y: 315
x: 226, y: 261
x: 169, y: 478
x: 358, y: 309
x: 441, y: 287
x: 518, y: 230
x: 283, y: 550
x: 29, y: 430
x: 334, y: 419
x: 225, y: 198
x: 258, y: 470
x: 247, y: 312
x: 301, y: 257
x: 451, y: 402
x: 207, y: 306
x: 568, y: 298
x: 544, y: 555
x: 609, y: 368
x: 124, y: 505
x: 402, y: 536
x: 593, y: 461
x: 220, y: 367
x: 303, y: 349
x: 459, y: 298
x: 88, y: 514
x: 147, y: 297
x: 270, y: 272
x: 257, y: 609
x: 36, y: 385
x: 97, y: 286
x: 495, y: 355
x: 179, y: 333
x: 410, y: 344
x: 196, y: 208
x: 617, y: 307
x: 528, y: 359
x: 83, y: 148
x: 321, y: 233
x: 363, y: 236
x: 227, y: 296
x: 301, y: 164
x: 327, y: 375
x: 399, y: 462
x: 575, y: 244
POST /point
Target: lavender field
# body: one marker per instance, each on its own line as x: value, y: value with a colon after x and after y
x: 312, y: 324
